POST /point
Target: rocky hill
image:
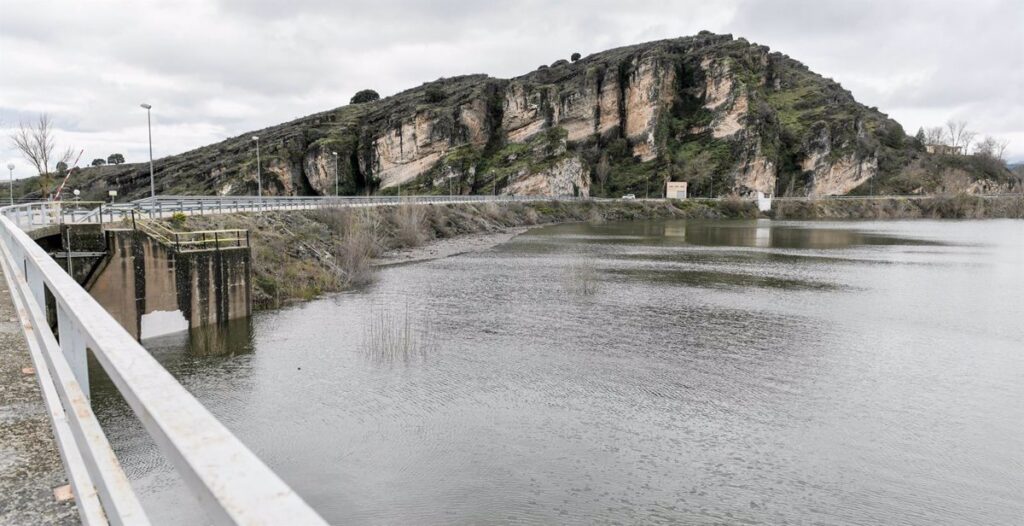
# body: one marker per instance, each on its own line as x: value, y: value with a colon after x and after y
x: 727, y: 115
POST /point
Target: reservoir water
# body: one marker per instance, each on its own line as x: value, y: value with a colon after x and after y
x: 748, y: 372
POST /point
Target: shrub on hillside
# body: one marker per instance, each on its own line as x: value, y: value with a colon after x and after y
x: 363, y: 96
x: 434, y: 94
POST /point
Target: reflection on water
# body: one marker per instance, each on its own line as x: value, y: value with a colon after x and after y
x: 681, y: 372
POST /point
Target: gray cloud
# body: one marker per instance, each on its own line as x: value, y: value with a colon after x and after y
x: 215, y: 69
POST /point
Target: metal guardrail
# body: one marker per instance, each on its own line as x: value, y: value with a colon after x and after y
x: 156, y: 207
x: 230, y: 482
x: 47, y: 213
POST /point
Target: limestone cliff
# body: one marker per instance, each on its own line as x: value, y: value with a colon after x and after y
x: 725, y: 114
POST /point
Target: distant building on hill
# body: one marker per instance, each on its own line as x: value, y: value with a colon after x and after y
x: 942, y: 149
x: 675, y: 190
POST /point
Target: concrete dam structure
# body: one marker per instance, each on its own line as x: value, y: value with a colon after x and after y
x: 152, y: 289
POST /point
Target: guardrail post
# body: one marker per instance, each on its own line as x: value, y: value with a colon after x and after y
x: 73, y: 346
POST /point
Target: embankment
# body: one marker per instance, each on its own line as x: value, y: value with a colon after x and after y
x: 301, y: 255
x: 961, y: 206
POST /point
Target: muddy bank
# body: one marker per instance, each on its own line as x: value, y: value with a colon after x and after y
x: 448, y: 247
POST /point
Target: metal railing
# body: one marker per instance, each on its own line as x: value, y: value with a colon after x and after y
x: 192, y: 241
x: 230, y: 482
x: 156, y: 207
x: 40, y: 214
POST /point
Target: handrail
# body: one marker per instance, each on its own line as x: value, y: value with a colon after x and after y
x: 231, y: 483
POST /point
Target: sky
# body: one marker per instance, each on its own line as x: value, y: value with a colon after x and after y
x: 214, y: 69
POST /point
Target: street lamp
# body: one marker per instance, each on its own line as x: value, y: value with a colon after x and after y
x: 259, y: 177
x: 335, y: 154
x: 149, y: 128
x: 10, y: 166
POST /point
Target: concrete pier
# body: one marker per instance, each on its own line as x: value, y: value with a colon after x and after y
x: 30, y: 465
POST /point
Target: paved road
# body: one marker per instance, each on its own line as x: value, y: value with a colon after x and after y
x: 30, y: 465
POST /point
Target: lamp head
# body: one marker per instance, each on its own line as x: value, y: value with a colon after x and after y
x: 146, y: 106
x: 77, y: 192
x: 334, y: 154
x: 255, y: 137
x: 10, y: 166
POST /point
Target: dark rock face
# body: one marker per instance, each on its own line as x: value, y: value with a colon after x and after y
x: 724, y: 114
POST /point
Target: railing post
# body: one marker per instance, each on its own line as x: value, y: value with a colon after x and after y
x: 72, y: 345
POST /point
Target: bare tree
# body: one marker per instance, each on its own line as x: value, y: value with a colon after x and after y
x: 37, y: 144
x: 1001, y: 146
x: 959, y: 136
x: 966, y: 140
x: 992, y: 147
x: 935, y: 136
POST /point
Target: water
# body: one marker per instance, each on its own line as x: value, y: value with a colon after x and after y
x: 648, y: 372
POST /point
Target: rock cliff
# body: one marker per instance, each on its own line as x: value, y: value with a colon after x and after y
x: 725, y: 114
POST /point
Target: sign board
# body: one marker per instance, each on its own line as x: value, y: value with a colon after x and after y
x: 675, y: 190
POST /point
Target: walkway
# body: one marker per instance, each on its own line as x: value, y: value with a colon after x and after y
x: 30, y: 466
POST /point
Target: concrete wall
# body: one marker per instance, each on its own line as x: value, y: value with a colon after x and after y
x: 153, y: 290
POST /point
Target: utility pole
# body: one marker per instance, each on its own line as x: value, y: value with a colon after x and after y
x: 149, y: 127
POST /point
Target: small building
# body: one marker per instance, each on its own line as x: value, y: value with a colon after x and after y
x: 942, y: 149
x: 675, y: 190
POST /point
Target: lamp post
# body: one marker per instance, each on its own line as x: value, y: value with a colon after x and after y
x: 259, y: 176
x: 336, y: 176
x: 10, y: 166
x: 149, y: 128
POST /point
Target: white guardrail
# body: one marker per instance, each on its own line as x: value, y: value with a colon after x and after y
x: 230, y: 482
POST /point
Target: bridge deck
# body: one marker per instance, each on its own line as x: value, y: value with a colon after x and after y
x: 30, y: 465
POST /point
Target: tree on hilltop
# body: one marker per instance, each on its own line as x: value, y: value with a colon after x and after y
x: 366, y: 95
x: 574, y: 57
x: 115, y: 158
x: 98, y: 162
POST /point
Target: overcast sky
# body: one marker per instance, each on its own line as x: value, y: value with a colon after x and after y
x: 217, y: 68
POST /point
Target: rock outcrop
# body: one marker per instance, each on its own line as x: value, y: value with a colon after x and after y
x: 726, y: 114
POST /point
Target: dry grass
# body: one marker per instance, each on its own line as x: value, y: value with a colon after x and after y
x: 582, y: 278
x: 409, y: 224
x: 359, y: 244
x: 390, y: 337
